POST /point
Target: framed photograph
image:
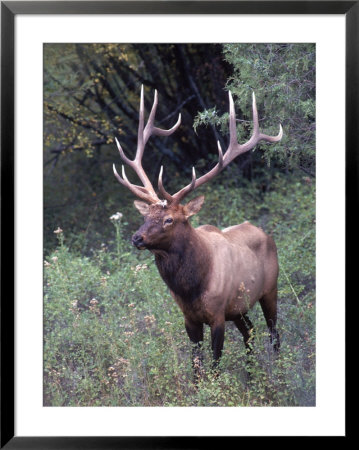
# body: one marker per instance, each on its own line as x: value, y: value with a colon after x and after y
x: 211, y: 332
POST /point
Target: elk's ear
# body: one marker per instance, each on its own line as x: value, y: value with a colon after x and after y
x: 193, y: 206
x: 143, y: 207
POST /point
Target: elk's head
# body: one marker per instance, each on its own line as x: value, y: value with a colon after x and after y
x: 163, y: 221
x: 164, y: 218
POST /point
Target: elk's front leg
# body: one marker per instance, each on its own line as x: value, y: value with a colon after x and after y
x: 217, y: 336
x: 195, y: 333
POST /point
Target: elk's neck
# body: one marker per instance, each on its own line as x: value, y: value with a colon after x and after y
x: 185, y: 265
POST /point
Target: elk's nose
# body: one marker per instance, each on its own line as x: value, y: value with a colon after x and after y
x: 137, y: 240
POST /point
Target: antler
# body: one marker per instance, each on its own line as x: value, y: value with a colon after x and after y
x: 234, y: 149
x: 145, y: 192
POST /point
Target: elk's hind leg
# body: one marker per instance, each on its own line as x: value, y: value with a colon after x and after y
x: 269, y: 307
x: 245, y: 326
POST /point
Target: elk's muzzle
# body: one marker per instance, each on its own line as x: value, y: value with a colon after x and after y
x: 138, y: 241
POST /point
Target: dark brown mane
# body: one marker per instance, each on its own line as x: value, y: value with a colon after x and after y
x: 184, y: 267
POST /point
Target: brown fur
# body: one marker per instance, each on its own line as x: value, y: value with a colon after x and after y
x: 213, y: 275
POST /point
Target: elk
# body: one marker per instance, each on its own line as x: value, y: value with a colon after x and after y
x: 213, y: 275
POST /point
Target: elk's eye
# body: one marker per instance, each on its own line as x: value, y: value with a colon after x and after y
x: 169, y: 220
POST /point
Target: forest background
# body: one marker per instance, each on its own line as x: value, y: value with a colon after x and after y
x: 112, y: 334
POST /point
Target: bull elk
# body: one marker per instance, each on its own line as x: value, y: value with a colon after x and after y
x: 213, y: 275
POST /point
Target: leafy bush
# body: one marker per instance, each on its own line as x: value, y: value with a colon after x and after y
x: 283, y: 79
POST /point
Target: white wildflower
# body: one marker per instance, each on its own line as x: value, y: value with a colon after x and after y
x: 116, y: 217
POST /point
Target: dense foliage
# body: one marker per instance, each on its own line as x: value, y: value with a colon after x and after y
x: 283, y: 79
x: 112, y: 333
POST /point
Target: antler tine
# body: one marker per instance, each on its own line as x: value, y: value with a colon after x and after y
x: 255, y: 115
x: 151, y: 129
x: 162, y: 132
x: 161, y: 189
x: 141, y: 121
x: 232, y: 122
x: 220, y: 155
x: 175, y: 199
x: 122, y: 153
x: 139, y: 191
x: 149, y: 126
x: 186, y: 190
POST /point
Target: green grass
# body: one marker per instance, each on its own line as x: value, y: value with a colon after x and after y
x: 113, y: 336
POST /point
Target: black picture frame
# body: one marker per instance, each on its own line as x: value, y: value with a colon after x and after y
x: 9, y: 9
